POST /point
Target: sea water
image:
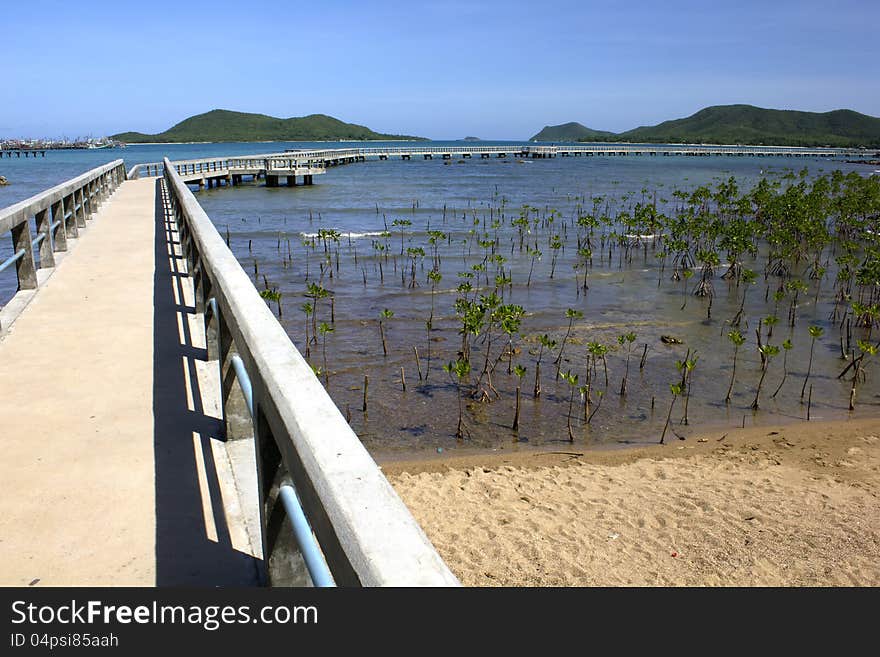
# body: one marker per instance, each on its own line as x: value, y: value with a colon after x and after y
x: 272, y: 226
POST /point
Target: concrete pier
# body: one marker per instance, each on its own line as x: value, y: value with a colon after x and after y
x: 111, y: 477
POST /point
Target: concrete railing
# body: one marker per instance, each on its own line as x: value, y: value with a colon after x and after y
x: 367, y: 535
x: 58, y: 214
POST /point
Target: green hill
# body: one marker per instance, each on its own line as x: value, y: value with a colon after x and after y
x: 224, y: 125
x: 740, y: 124
x: 571, y: 132
x: 745, y: 124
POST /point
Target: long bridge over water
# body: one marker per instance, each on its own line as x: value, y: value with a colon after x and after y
x: 306, y: 163
x: 159, y: 426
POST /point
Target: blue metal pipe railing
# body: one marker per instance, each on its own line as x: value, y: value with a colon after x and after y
x: 18, y: 255
x: 302, y: 531
x: 245, y: 382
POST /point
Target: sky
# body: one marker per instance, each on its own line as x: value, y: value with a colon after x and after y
x: 444, y: 70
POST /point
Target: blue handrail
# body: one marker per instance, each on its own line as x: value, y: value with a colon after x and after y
x: 302, y: 531
x: 14, y: 258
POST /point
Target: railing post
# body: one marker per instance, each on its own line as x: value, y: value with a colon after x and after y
x: 236, y: 416
x: 70, y: 222
x: 78, y: 208
x: 60, y: 233
x: 94, y: 197
x: 44, y: 227
x: 25, y: 267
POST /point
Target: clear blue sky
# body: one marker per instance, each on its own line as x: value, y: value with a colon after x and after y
x: 439, y: 69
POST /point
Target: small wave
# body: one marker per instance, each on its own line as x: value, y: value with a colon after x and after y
x: 352, y: 235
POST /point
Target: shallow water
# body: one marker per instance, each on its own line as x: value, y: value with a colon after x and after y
x: 622, y: 296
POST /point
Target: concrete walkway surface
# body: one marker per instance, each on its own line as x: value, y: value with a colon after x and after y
x: 110, y: 466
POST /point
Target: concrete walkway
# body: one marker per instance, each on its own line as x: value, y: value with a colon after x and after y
x: 109, y: 466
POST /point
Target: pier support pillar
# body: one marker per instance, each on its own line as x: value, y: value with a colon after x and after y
x: 291, y: 181
x: 271, y: 181
x: 307, y: 179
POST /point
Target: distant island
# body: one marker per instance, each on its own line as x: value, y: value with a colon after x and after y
x: 739, y: 124
x: 472, y: 139
x: 572, y: 132
x: 224, y: 125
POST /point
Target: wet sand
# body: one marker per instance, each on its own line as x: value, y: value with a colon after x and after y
x: 794, y: 505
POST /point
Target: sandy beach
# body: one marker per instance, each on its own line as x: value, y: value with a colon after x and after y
x: 793, y: 505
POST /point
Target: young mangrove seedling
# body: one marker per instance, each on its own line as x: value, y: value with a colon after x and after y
x: 324, y: 328
x: 627, y: 340
x: 867, y: 350
x: 572, y: 315
x: 550, y: 345
x: 686, y: 367
x: 458, y: 370
x: 675, y: 389
x: 572, y: 380
x: 385, y: 314
x: 738, y: 339
x: 768, y: 351
x: 520, y: 372
x: 815, y: 333
x: 786, y: 345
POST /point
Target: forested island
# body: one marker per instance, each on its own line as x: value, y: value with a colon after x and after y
x: 224, y: 125
x: 739, y: 124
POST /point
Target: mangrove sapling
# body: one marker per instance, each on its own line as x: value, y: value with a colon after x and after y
x: 273, y: 295
x: 315, y: 291
x: 572, y: 315
x: 520, y: 372
x: 687, y: 368
x: 675, y: 389
x: 748, y: 278
x: 795, y: 287
x: 556, y: 243
x: 770, y: 321
x: 550, y: 345
x: 572, y: 380
x: 601, y: 395
x: 509, y: 318
x: 324, y: 328
x: 458, y: 370
x: 815, y: 332
x: 414, y: 253
x: 687, y: 273
x: 738, y: 339
x: 768, y: 351
x: 626, y: 339
x: 401, y: 223
x: 786, y: 345
x: 597, y: 350
x: 307, y: 308
x: 867, y: 350
x: 384, y: 315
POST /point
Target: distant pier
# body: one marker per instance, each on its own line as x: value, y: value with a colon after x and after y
x: 27, y: 152
x: 304, y: 164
